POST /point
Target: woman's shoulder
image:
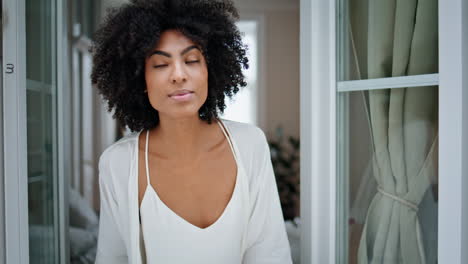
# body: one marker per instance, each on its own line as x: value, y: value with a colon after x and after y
x: 118, y: 156
x: 253, y: 150
x: 250, y: 139
x: 121, y: 146
x: 245, y: 132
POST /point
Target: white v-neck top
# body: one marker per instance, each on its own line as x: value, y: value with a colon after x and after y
x: 251, y: 229
x: 169, y: 238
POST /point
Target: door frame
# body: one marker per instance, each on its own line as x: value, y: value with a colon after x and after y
x: 453, y: 131
x: 64, y: 128
x: 2, y: 175
x: 14, y: 132
x: 318, y: 131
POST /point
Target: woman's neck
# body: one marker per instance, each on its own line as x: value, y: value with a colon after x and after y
x: 181, y: 138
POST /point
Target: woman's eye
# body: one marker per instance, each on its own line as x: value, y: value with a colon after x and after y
x: 159, y: 65
x: 192, y: 61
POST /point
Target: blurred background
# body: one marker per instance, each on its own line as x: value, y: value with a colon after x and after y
x: 68, y: 126
x: 370, y: 112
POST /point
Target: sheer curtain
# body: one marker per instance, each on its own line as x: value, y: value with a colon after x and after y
x: 402, y: 40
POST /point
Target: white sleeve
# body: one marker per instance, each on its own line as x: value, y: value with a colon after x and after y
x: 111, y: 247
x: 267, y: 238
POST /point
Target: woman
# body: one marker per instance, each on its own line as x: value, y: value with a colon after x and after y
x: 185, y: 186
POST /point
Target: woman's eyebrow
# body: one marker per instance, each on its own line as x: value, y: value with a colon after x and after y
x: 163, y: 53
x: 189, y: 49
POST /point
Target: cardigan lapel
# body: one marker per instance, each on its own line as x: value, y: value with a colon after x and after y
x: 246, y: 197
x: 134, y: 254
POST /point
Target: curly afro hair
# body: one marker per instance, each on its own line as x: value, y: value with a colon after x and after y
x: 129, y: 33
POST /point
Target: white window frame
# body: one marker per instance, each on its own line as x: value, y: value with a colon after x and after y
x: 318, y: 130
x: 15, y: 163
x: 14, y: 134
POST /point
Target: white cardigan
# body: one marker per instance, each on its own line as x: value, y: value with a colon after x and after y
x: 120, y: 239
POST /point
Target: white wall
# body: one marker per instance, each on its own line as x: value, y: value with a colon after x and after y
x: 281, y: 61
x: 282, y: 71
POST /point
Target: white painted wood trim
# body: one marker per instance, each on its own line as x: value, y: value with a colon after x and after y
x: 453, y: 132
x: 2, y: 174
x: 342, y: 135
x: 83, y: 44
x: 14, y: 147
x: 76, y: 120
x: 318, y: 131
x: 392, y: 82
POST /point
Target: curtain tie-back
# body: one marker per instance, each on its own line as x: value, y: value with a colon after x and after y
x: 398, y: 199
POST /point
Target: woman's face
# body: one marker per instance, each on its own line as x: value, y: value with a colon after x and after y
x: 176, y: 76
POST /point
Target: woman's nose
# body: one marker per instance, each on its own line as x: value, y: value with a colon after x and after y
x: 179, y: 74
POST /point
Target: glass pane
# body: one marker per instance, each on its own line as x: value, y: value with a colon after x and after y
x: 388, y: 38
x: 387, y: 176
x: 41, y: 128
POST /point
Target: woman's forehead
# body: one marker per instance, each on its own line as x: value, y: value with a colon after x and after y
x: 173, y: 40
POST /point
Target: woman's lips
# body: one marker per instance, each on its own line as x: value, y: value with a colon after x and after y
x: 185, y: 96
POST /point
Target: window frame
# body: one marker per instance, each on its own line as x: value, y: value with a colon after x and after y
x: 15, y: 167
x: 15, y: 219
x: 317, y: 129
x: 319, y: 87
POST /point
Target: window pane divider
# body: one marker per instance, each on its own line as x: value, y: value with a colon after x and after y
x: 391, y: 82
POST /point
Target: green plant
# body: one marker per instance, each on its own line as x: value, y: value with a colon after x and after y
x: 285, y: 159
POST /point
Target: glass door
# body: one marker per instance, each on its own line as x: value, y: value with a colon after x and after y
x: 383, y: 129
x: 34, y: 159
x: 42, y: 131
x: 387, y: 131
